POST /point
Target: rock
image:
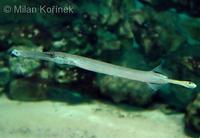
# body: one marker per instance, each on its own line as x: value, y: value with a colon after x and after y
x: 46, y: 74
x: 158, y: 36
x: 189, y: 28
x: 176, y: 96
x: 108, y: 40
x: 125, y: 30
x: 191, y: 63
x: 104, y: 13
x: 27, y: 90
x: 60, y: 43
x: 114, y: 17
x: 4, y: 76
x: 65, y: 76
x: 192, y: 116
x: 190, y: 7
x: 125, y: 90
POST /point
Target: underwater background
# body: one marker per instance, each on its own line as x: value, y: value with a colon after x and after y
x: 139, y: 34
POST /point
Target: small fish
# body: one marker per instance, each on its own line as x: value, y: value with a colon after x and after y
x: 152, y: 78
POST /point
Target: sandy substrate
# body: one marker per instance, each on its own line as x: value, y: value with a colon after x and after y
x: 90, y: 120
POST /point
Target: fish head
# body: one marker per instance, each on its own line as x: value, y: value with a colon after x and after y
x: 189, y: 84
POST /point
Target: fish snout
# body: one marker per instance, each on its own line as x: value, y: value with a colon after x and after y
x: 190, y: 84
x: 16, y: 53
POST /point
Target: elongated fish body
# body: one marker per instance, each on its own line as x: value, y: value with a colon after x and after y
x: 114, y: 70
x: 102, y: 67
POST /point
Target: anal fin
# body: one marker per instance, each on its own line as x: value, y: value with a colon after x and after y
x: 154, y: 86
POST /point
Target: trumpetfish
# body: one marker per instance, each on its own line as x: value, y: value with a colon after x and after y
x: 150, y: 77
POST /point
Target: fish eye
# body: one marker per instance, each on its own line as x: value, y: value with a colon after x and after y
x: 190, y: 83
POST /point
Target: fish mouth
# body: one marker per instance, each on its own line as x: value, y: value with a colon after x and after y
x: 194, y: 85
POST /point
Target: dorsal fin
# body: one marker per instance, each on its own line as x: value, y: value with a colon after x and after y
x: 158, y: 68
